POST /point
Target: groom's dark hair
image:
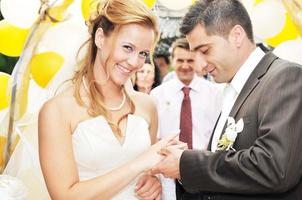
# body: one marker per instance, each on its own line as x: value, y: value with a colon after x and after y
x: 217, y: 17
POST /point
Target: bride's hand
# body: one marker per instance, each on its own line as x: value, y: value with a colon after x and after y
x: 169, y: 166
x: 151, y: 156
x: 148, y: 187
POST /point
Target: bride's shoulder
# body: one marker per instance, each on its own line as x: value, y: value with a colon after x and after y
x: 60, y: 104
x: 144, y: 105
x: 143, y: 100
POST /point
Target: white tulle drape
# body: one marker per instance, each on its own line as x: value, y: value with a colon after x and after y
x: 64, y: 38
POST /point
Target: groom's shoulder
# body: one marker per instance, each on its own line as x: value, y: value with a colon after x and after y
x: 282, y: 67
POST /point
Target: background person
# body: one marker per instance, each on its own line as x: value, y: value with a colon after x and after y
x: 205, y: 105
x: 147, y: 78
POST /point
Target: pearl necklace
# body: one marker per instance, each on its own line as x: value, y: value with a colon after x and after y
x: 108, y: 107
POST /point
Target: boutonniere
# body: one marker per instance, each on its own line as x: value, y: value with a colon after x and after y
x: 228, y: 138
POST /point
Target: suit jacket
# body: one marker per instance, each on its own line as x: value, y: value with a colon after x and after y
x: 267, y: 163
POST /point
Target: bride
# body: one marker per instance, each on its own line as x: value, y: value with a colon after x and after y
x: 95, y: 137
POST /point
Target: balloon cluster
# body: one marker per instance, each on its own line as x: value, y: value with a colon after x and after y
x: 273, y: 22
x: 50, y: 53
x: 278, y: 23
x: 19, y: 16
x: 47, y: 43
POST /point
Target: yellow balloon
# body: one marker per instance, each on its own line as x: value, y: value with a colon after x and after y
x: 88, y: 7
x: 289, y: 32
x: 294, y: 10
x: 3, y: 141
x: 257, y: 1
x: 149, y: 3
x: 44, y: 66
x: 58, y: 12
x: 4, y: 99
x: 12, y: 39
x: 2, y: 150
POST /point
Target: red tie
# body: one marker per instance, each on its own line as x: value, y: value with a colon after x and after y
x: 186, y: 118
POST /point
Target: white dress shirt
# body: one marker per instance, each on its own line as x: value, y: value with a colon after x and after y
x: 206, y: 100
x: 232, y: 90
x: 171, y: 75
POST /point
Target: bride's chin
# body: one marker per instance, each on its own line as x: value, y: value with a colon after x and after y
x: 120, y: 82
x: 121, y: 79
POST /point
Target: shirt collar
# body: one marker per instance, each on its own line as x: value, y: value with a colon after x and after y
x: 193, y: 85
x: 246, y: 69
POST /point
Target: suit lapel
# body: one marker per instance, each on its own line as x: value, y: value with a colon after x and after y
x: 252, y: 82
x: 211, y: 138
x: 250, y: 85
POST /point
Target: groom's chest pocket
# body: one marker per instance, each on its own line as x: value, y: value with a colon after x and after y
x: 249, y: 134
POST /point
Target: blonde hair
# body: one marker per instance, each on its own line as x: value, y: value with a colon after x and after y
x: 110, y: 15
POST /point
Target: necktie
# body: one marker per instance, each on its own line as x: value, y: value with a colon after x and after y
x: 229, y: 97
x: 186, y: 119
x: 229, y: 93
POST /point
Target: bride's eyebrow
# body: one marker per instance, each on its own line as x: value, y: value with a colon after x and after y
x: 135, y: 47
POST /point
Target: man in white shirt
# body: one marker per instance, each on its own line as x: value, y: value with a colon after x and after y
x: 255, y: 151
x: 205, y: 100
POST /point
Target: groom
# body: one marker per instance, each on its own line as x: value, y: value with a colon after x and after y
x: 265, y: 161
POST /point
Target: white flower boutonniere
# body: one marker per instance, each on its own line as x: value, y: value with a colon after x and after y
x: 228, y: 138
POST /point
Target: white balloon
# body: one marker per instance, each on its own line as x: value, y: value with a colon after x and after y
x: 21, y: 13
x: 290, y: 50
x: 268, y: 18
x: 249, y: 5
x: 176, y: 4
x: 65, y: 39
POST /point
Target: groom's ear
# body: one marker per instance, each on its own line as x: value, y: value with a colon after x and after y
x: 237, y: 35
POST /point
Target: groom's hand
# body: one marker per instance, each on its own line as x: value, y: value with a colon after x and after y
x: 169, y: 166
x: 148, y: 187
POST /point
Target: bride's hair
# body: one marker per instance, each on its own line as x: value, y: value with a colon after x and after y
x: 110, y: 16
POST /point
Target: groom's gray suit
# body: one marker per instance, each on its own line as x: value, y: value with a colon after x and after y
x: 268, y: 161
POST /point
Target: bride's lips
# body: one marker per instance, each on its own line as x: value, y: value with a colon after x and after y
x: 124, y: 70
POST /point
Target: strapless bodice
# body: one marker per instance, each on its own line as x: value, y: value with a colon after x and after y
x: 97, y: 151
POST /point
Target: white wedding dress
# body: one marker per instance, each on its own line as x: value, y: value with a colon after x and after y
x: 96, y: 151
